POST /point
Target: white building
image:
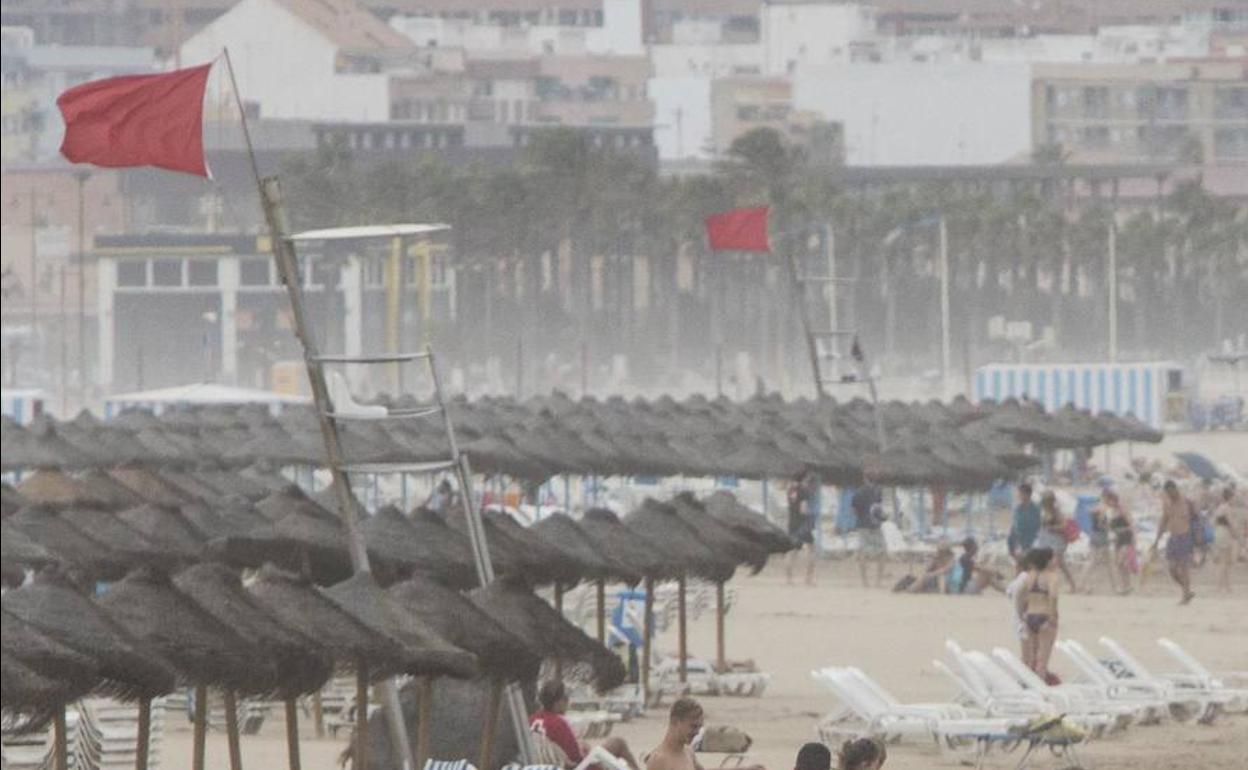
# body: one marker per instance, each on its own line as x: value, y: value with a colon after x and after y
x: 906, y: 113
x: 618, y: 35
x: 307, y: 59
x: 803, y: 33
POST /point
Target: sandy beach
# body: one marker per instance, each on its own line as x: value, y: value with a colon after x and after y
x: 790, y: 630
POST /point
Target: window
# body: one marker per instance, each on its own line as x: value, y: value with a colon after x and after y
x: 166, y: 272
x: 253, y: 272
x: 1230, y: 143
x: 1231, y: 103
x: 132, y: 273
x: 1094, y: 137
x: 201, y: 272
x: 1096, y: 102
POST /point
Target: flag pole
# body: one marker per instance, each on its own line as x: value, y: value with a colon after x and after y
x: 242, y: 114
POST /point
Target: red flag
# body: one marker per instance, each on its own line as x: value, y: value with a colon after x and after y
x: 138, y: 120
x: 739, y: 230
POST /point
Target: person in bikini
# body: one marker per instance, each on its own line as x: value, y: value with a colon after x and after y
x: 1177, y: 518
x: 1122, y: 534
x: 1035, y: 603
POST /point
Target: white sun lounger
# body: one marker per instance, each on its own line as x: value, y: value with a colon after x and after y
x: 1211, y: 702
x: 870, y: 714
x: 1129, y: 690
x: 1073, y: 698
x: 1233, y: 682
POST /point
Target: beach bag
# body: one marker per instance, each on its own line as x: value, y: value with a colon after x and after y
x: 1070, y: 530
x: 903, y: 584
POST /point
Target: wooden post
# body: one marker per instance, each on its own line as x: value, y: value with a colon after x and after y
x: 683, y: 629
x: 424, y: 726
x: 60, y: 741
x: 318, y: 715
x: 559, y: 609
x: 647, y: 631
x: 491, y: 726
x: 361, y: 716
x: 601, y: 589
x: 292, y: 734
x: 721, y: 661
x: 200, y: 728
x: 142, y: 744
x: 231, y: 731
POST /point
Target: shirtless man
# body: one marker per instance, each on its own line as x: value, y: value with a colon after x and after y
x: 675, y: 752
x: 1176, y: 518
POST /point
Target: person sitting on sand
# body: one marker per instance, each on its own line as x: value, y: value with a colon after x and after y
x: 862, y: 754
x: 549, y: 721
x: 929, y: 582
x: 975, y: 578
x: 813, y: 756
x: 675, y: 751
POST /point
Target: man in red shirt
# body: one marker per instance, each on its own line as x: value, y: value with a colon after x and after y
x: 549, y: 721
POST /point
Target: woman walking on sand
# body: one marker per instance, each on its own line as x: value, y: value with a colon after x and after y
x: 1054, y: 529
x: 1035, y: 603
x: 1122, y: 532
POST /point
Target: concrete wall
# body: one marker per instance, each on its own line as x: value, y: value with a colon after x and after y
x: 810, y: 35
x: 682, y: 115
x: 923, y: 114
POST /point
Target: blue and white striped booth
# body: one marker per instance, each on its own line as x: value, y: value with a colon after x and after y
x: 22, y: 404
x: 1139, y: 389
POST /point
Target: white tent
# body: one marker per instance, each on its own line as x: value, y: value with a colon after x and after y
x: 157, y: 401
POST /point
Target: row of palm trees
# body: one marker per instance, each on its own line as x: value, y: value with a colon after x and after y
x: 581, y: 253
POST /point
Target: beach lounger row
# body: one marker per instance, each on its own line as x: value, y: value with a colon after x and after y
x: 100, y: 735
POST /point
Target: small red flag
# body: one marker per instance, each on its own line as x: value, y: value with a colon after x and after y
x: 138, y: 120
x: 739, y: 230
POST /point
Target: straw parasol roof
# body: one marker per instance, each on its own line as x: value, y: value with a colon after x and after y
x: 722, y: 540
x: 147, y: 485
x: 724, y: 506
x: 561, y: 531
x: 40, y: 445
x: 54, y: 487
x: 30, y: 700
x: 301, y: 664
x: 445, y: 555
x: 500, y: 653
x: 300, y: 606
x: 550, y: 563
x: 292, y: 500
x: 69, y: 544
x: 128, y: 669
x: 427, y: 653
x: 507, y: 554
x: 19, y: 553
x: 121, y: 538
x: 399, y: 548
x: 43, y: 654
x: 608, y: 534
x: 165, y: 527
x: 202, y: 650
x: 10, y: 499
x: 523, y: 613
x: 677, y: 542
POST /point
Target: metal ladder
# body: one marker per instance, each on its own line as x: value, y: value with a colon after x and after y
x: 329, y: 415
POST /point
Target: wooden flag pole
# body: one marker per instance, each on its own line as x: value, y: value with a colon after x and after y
x: 361, y: 715
x: 60, y: 741
x: 647, y: 632
x: 424, y: 727
x: 601, y: 590
x: 491, y: 725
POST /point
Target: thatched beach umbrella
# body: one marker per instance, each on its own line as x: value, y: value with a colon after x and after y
x: 428, y: 656
x: 30, y: 700
x: 50, y: 675
x: 10, y: 500
x: 400, y: 548
x: 122, y: 539
x: 58, y: 488
x: 551, y: 563
x: 301, y: 665
x: 69, y: 544
x: 724, y: 506
x: 18, y: 553
x: 150, y: 487
x: 203, y: 651
x: 165, y: 527
x: 39, y: 445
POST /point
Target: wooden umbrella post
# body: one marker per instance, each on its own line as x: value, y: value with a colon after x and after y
x: 647, y: 632
x: 721, y: 661
x: 60, y: 741
x: 231, y: 731
x: 683, y: 630
x: 361, y: 715
x: 200, y: 727
x: 601, y: 589
x: 318, y: 715
x: 491, y: 725
x: 143, y: 742
x: 559, y: 609
x: 424, y: 726
x: 292, y: 734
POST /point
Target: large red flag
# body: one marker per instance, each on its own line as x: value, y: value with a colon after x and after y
x: 739, y: 230
x: 138, y: 120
